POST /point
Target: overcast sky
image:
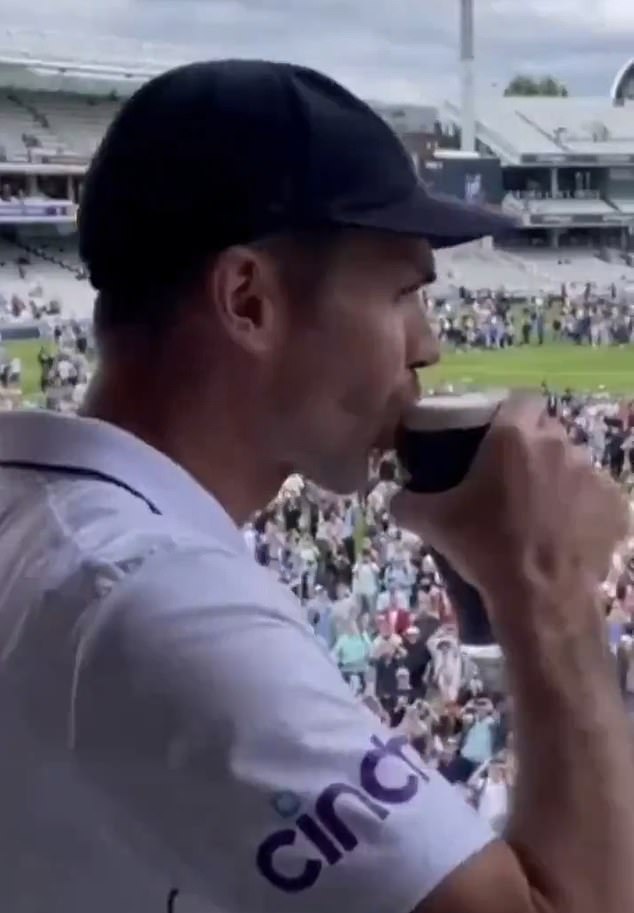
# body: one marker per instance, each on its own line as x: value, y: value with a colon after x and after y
x: 392, y: 50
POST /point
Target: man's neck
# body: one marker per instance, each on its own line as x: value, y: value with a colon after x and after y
x: 206, y: 439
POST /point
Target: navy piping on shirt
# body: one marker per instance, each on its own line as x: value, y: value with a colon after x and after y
x: 83, y: 473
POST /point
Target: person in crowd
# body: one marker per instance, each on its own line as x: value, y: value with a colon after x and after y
x: 448, y: 664
x: 321, y: 616
x: 478, y: 740
x: 417, y: 659
x: 366, y: 576
x: 387, y: 657
x: 493, y: 796
x: 394, y: 605
x: 352, y: 652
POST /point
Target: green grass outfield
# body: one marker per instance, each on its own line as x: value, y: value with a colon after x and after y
x: 28, y: 351
x: 560, y: 365
x: 579, y: 367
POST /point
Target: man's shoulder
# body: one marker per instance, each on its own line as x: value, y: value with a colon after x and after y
x: 177, y: 570
x: 93, y: 543
x: 204, y: 591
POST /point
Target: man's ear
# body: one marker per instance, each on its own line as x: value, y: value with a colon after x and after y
x: 244, y: 289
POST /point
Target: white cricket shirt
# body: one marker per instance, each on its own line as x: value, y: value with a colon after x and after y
x: 174, y: 737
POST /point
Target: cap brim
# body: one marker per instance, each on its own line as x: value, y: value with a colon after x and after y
x: 444, y: 221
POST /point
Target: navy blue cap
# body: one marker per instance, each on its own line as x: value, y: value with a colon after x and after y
x: 229, y: 152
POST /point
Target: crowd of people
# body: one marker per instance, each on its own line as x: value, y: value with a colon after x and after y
x: 65, y: 366
x: 376, y: 600
x: 492, y: 319
x: 36, y: 305
x: 374, y: 597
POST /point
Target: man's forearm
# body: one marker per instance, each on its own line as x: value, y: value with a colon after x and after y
x: 573, y: 820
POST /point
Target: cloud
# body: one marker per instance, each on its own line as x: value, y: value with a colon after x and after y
x: 403, y: 50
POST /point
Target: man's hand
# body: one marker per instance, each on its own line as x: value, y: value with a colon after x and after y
x: 531, y: 511
x: 533, y: 527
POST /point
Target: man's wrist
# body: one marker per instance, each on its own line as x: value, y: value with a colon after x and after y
x: 527, y: 615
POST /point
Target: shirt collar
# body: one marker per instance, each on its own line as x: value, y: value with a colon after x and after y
x: 47, y: 439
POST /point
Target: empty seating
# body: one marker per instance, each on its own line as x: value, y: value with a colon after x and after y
x: 21, y: 131
x: 624, y: 205
x: 585, y: 126
x: 578, y: 267
x: 34, y: 279
x: 588, y: 202
x: 531, y: 271
x: 39, y: 124
x: 476, y: 267
x: 79, y: 121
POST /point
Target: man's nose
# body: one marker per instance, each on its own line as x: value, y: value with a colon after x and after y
x: 422, y: 345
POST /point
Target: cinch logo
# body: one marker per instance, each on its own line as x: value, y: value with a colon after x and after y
x: 325, y: 830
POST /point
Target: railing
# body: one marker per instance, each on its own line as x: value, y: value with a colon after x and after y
x: 537, y: 195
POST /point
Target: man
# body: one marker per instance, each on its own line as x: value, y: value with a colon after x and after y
x: 392, y: 606
x: 447, y: 671
x: 478, y: 741
x: 174, y: 736
x: 320, y: 616
x: 351, y: 652
x: 388, y: 655
x: 493, y: 795
x: 344, y: 606
x: 416, y: 660
x: 366, y: 581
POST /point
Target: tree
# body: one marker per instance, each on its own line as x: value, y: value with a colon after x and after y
x: 546, y: 86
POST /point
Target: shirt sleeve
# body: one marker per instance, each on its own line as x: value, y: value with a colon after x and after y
x: 233, y: 755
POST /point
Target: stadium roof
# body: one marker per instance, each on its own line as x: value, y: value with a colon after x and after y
x: 623, y: 86
x: 48, y: 46
x: 61, y: 61
x: 408, y: 118
x: 528, y: 131
x: 47, y: 61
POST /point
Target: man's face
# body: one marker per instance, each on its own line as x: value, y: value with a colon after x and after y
x: 347, y: 367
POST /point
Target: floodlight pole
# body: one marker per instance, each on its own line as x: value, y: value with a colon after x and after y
x: 467, y: 74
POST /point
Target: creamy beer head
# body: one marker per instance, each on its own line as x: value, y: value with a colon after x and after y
x: 449, y: 412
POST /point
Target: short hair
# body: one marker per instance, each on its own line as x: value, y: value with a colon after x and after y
x: 151, y: 306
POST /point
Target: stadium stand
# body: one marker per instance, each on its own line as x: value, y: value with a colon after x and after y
x: 505, y: 132
x: 77, y: 122
x: 513, y: 127
x: 572, y: 266
x: 478, y: 266
x: 584, y: 126
x: 42, y: 284
x: 21, y: 130
x: 526, y: 272
x: 563, y: 167
x: 585, y: 202
x: 51, y: 124
x: 62, y: 252
x: 625, y: 206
